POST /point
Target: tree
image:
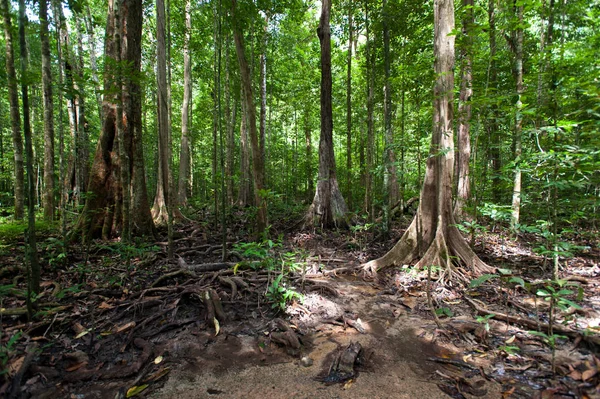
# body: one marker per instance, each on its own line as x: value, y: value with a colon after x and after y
x: 328, y: 208
x: 32, y: 256
x: 162, y: 199
x: 349, y: 107
x: 48, y: 196
x: 184, y: 154
x: 258, y: 161
x: 433, y: 235
x: 15, y: 116
x: 517, y: 46
x: 463, y: 191
x: 103, y: 210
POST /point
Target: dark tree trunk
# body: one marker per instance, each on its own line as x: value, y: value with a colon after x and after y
x: 492, y: 125
x: 49, y: 175
x: 34, y: 266
x: 349, y: 179
x: 433, y: 235
x: 15, y: 116
x: 103, y: 212
x: 245, y: 195
x: 328, y: 208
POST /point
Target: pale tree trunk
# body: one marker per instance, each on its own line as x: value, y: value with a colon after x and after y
x: 215, y: 114
x: 104, y: 211
x: 463, y: 191
x: 161, y: 200
x: 15, y: 116
x: 433, y: 236
x: 370, y: 79
x: 245, y: 195
x: 390, y: 175
x: 518, y: 50
x: 48, y: 196
x: 258, y: 162
x: 34, y: 266
x: 349, y: 179
x: 328, y: 208
x: 184, y: 154
x: 310, y: 185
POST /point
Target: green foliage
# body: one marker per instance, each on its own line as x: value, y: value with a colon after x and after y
x: 444, y: 311
x: 556, y: 293
x: 6, y: 350
x: 485, y: 320
x: 280, y: 294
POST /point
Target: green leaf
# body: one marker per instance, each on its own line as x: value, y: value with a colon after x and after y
x: 482, y: 279
x: 135, y: 390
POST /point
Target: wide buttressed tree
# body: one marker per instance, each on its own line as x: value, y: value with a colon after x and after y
x: 433, y: 236
x: 120, y: 142
x: 328, y: 208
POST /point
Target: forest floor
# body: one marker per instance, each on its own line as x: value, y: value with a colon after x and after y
x: 117, y: 321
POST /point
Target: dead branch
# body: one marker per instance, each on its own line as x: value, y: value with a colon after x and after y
x: 16, y: 382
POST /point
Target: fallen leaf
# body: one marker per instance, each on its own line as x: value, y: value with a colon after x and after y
x: 81, y: 334
x: 589, y: 373
x: 217, y: 326
x: 158, y: 359
x: 510, y: 340
x: 508, y: 392
x: 76, y: 366
x: 78, y: 328
x: 134, y: 390
x: 158, y: 375
x: 105, y: 305
x: 15, y: 365
x: 348, y: 384
x: 124, y: 327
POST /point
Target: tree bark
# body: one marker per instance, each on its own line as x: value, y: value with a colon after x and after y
x: 390, y: 176
x: 463, y: 191
x: 245, y: 195
x: 161, y: 200
x: 258, y: 162
x: 492, y: 125
x: 93, y: 62
x: 433, y: 235
x: 349, y: 179
x: 184, y: 154
x: 103, y: 213
x: 310, y: 185
x: 34, y: 266
x: 518, y: 50
x: 230, y: 115
x: 370, y: 79
x: 328, y: 208
x: 49, y: 175
x: 15, y: 116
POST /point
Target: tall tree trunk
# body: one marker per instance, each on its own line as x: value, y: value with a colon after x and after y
x: 258, y: 162
x: 34, y: 266
x: 492, y: 123
x: 310, y: 185
x: 230, y: 114
x: 48, y: 196
x: 328, y: 208
x: 103, y: 211
x: 370, y: 79
x: 390, y: 176
x: 433, y: 235
x: 349, y: 179
x: 518, y: 50
x: 263, y: 91
x: 93, y: 62
x: 184, y: 154
x: 15, y: 116
x: 463, y: 192
x: 83, y: 154
x: 161, y: 200
x: 245, y: 196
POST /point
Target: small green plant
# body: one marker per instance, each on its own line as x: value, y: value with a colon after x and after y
x: 279, y: 294
x: 509, y: 349
x: 485, y: 320
x: 6, y: 349
x: 444, y: 311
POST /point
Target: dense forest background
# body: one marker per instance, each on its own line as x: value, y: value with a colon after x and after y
x: 541, y: 122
